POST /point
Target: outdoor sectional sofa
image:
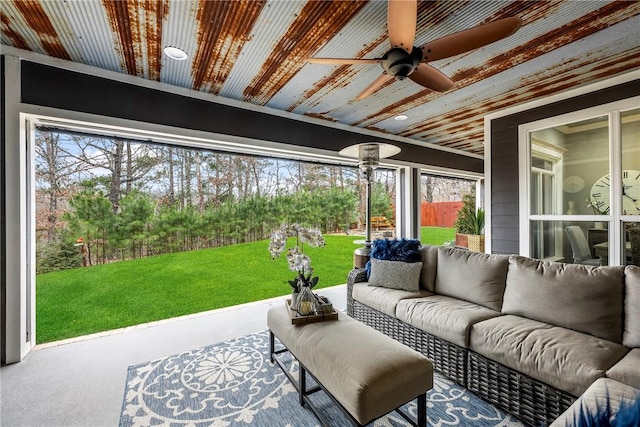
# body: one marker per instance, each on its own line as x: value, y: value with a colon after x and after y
x: 527, y: 335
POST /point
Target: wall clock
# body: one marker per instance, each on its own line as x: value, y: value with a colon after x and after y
x: 600, y: 195
x: 573, y: 184
x: 631, y: 192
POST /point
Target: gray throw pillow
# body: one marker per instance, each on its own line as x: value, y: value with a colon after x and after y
x: 395, y: 274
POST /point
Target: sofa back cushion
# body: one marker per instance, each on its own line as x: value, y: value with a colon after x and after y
x: 631, y: 337
x: 579, y: 297
x: 472, y: 276
x: 395, y: 274
x: 429, y: 267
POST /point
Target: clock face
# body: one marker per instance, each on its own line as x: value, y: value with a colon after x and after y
x: 573, y: 184
x: 600, y: 194
x: 631, y: 192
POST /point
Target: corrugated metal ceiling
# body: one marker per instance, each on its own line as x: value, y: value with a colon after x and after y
x: 255, y: 51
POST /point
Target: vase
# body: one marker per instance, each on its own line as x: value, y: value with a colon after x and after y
x: 294, y: 300
x: 306, y: 301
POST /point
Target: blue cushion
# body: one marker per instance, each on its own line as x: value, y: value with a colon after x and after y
x: 406, y: 250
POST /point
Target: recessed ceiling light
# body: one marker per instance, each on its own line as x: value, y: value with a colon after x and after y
x: 175, y: 53
x: 401, y: 117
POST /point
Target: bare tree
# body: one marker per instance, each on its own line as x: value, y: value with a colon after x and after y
x: 187, y: 177
x: 115, y: 161
x: 108, y: 154
x: 199, y: 187
x: 129, y: 178
x: 172, y: 184
x: 437, y: 188
x: 56, y: 169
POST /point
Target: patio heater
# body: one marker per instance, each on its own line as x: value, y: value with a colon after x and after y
x: 368, y: 155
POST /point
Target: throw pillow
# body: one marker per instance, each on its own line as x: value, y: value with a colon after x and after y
x: 406, y: 250
x: 627, y: 415
x: 395, y: 274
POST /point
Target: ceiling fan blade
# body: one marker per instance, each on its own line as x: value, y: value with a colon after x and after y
x: 431, y: 78
x: 377, y: 84
x: 402, y: 16
x: 342, y: 61
x: 470, y: 39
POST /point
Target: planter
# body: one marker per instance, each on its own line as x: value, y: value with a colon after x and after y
x: 474, y: 242
x: 461, y: 240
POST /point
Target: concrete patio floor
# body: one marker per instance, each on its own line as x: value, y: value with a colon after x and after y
x: 81, y: 382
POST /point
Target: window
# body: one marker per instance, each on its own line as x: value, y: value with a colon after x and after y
x: 581, y: 169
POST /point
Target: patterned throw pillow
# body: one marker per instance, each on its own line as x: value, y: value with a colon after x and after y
x: 407, y: 250
x: 395, y: 274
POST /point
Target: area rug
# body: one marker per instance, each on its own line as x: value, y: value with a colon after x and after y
x: 234, y: 384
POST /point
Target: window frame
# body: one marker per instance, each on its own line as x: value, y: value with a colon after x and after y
x: 614, y: 218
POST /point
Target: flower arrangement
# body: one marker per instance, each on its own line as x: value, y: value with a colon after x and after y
x: 298, y: 260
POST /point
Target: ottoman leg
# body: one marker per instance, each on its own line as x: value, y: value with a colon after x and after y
x: 422, y: 410
x: 303, y: 383
x: 272, y: 345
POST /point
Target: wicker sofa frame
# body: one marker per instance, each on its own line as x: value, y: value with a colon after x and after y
x: 531, y: 401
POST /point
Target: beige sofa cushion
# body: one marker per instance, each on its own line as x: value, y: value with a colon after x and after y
x: 604, y: 393
x: 582, y: 298
x: 383, y: 299
x: 628, y: 369
x: 562, y: 358
x: 631, y: 337
x: 444, y: 317
x: 472, y: 276
x: 429, y: 255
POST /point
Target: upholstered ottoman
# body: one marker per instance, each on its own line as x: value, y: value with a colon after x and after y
x: 367, y: 373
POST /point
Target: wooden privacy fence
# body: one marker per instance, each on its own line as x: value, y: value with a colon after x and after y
x: 439, y: 214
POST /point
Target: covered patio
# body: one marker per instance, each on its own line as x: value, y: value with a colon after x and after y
x: 81, y: 382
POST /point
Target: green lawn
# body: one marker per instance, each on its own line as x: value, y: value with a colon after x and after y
x: 83, y: 301
x: 436, y: 235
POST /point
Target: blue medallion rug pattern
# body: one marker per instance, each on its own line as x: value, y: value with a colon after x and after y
x: 234, y: 384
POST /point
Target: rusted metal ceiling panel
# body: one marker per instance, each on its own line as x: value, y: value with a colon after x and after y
x: 255, y: 51
x: 90, y: 40
x: 482, y: 74
x: 274, y: 20
x: 137, y: 26
x: 224, y: 28
x: 605, y: 44
x: 179, y: 30
x: 367, y: 35
x: 451, y: 133
x: 317, y: 23
x: 38, y: 20
x: 26, y: 24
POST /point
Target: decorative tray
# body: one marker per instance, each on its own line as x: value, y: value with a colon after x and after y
x: 311, y: 318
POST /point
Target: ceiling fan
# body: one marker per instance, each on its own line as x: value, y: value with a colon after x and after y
x: 406, y: 60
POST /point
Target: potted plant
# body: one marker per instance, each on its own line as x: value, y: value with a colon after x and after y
x: 297, y: 259
x: 470, y: 225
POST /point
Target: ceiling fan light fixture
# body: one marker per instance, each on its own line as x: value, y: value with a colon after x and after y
x: 405, y: 60
x: 175, y: 53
